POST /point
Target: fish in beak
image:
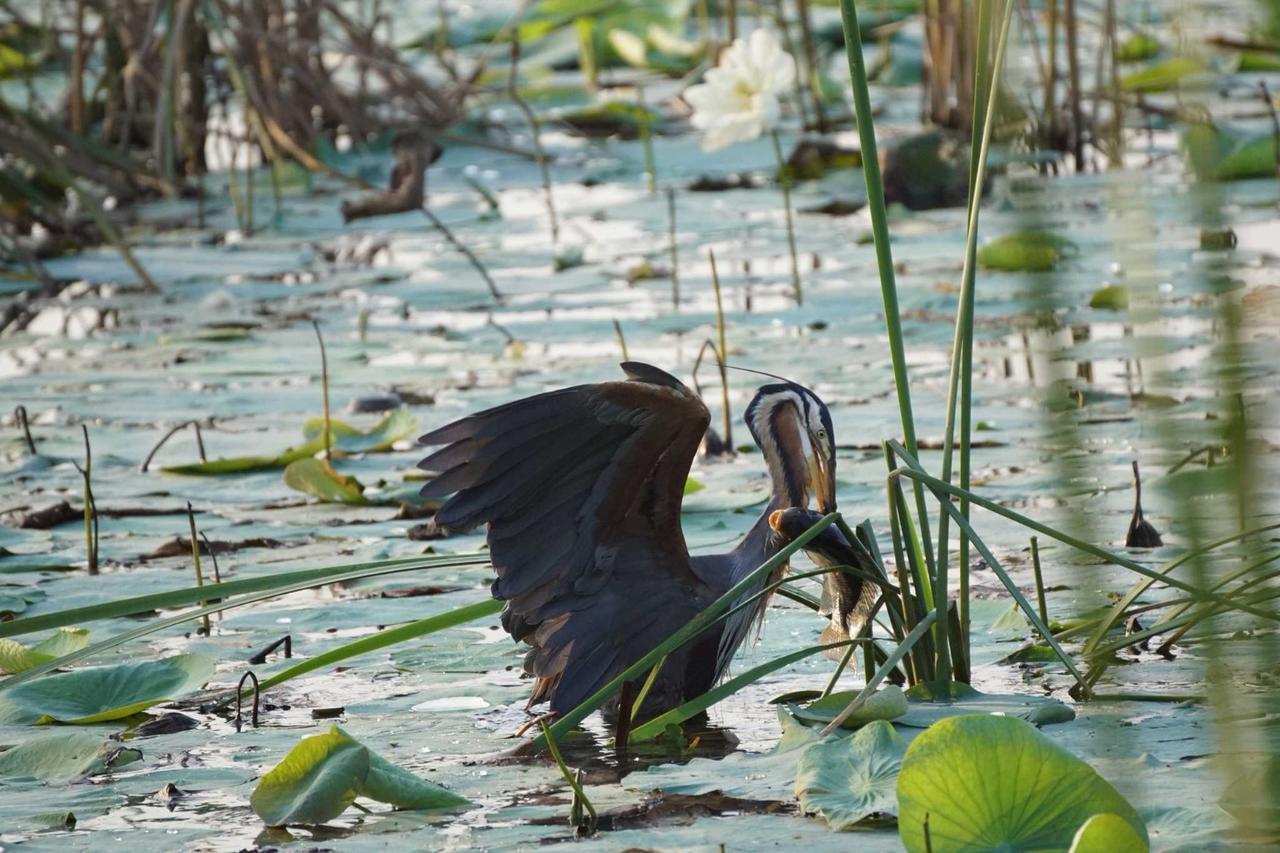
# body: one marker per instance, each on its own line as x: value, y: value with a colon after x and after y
x: 822, y: 481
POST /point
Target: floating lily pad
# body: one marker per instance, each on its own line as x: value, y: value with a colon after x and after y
x: 744, y: 775
x: 848, y: 779
x: 995, y: 783
x: 317, y: 478
x: 1162, y: 76
x: 15, y: 657
x: 1138, y: 47
x: 323, y: 774
x: 1258, y: 61
x: 888, y: 703
x: 1225, y: 153
x: 103, y: 693
x: 923, y: 711
x: 15, y: 600
x: 344, y: 438
x: 1025, y: 251
x: 64, y: 757
x: 1113, y: 297
x: 1107, y: 833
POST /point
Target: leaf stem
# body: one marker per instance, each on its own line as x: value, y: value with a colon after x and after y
x: 784, y: 180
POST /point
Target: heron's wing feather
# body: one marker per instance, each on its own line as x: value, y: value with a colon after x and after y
x: 581, y: 489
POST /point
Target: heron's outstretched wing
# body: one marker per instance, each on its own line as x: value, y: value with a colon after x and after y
x: 581, y: 489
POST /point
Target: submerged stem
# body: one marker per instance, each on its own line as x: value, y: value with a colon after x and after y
x: 784, y: 180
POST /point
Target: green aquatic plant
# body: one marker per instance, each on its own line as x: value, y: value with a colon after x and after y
x: 848, y: 779
x: 15, y: 657
x: 65, y: 757
x: 983, y: 782
x: 324, y: 774
x: 104, y: 693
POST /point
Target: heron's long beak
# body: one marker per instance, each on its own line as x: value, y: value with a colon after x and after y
x: 822, y: 477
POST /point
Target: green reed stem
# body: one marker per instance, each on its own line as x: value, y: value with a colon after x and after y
x: 960, y: 379
x: 698, y: 704
x: 675, y: 256
x: 142, y: 604
x: 942, y: 488
x: 217, y: 606
x: 195, y: 560
x: 387, y: 637
x: 645, y: 688
x: 890, y: 662
x: 723, y: 357
x: 324, y: 389
x: 784, y: 181
x: 1035, y: 567
x: 884, y: 253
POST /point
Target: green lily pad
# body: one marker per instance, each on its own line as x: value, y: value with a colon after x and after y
x: 344, y: 438
x: 848, y: 779
x: 1258, y: 61
x: 1138, y: 47
x: 1225, y: 153
x: 15, y: 657
x: 323, y: 774
x: 923, y: 710
x: 614, y: 118
x: 1107, y: 833
x: 64, y: 757
x: 15, y: 600
x: 995, y: 783
x: 888, y: 703
x: 398, y: 424
x: 1113, y: 297
x: 103, y: 693
x: 691, y: 485
x: 1025, y: 251
x: 317, y: 478
x: 1162, y: 76
x: 745, y: 775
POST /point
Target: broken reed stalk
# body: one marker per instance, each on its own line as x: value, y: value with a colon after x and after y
x: 814, y: 85
x: 1051, y: 68
x: 213, y: 555
x: 90, y: 507
x: 722, y: 357
x: 784, y: 180
x: 461, y: 247
x: 324, y: 389
x: 622, y: 341
x: 20, y: 417
x: 646, y: 143
x: 535, y: 134
x: 195, y: 560
x: 1035, y: 567
x: 146, y: 463
x: 675, y: 258
x: 1073, y: 69
x: 93, y: 207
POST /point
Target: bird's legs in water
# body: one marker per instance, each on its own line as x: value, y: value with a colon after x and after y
x: 549, y: 717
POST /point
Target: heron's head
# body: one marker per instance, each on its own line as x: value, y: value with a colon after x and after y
x: 793, y: 429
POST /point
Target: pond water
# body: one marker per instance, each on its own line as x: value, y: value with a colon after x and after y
x: 229, y: 343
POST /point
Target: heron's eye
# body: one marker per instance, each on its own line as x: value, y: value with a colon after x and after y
x: 822, y: 434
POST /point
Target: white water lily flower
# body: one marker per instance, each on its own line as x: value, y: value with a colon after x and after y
x: 739, y: 99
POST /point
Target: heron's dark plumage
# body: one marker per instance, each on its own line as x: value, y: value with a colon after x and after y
x: 581, y: 489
